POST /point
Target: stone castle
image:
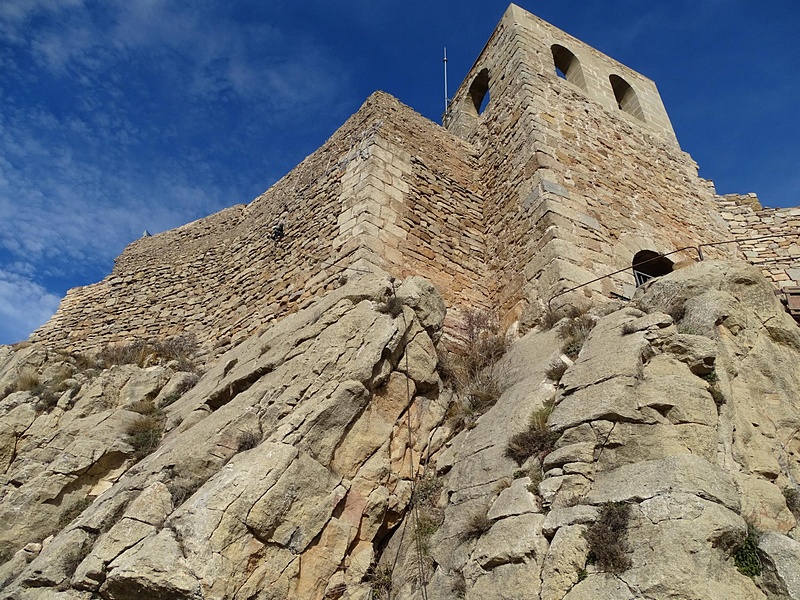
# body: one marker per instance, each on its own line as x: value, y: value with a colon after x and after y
x: 328, y: 446
x: 556, y: 166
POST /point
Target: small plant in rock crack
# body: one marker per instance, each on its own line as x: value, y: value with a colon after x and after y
x: 556, y: 370
x: 477, y: 525
x: 27, y: 381
x: 248, y: 440
x: 144, y: 435
x: 536, y: 440
x: 69, y: 515
x: 607, y: 538
x: 574, y: 333
x: 792, y: 497
x: 746, y: 557
x: 380, y: 581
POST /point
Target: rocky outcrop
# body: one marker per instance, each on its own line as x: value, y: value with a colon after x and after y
x: 280, y: 472
x: 327, y: 458
x: 682, y: 407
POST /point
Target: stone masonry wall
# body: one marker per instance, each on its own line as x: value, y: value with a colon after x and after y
x: 387, y: 191
x: 777, y: 257
x: 581, y: 186
x: 556, y: 183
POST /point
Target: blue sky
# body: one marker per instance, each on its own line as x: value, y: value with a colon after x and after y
x: 123, y: 115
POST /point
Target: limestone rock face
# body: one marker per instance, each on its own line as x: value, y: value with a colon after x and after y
x: 326, y: 458
x: 280, y: 471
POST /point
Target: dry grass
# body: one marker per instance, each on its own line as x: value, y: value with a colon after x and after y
x: 27, y: 380
x: 144, y: 353
x: 607, y: 538
x: 537, y: 440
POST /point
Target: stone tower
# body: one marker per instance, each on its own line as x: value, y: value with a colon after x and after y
x: 581, y: 166
x: 557, y: 166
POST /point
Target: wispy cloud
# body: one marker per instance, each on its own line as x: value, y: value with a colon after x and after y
x: 24, y: 306
x: 121, y: 116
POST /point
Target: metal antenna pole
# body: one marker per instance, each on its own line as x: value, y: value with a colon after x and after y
x: 446, y: 97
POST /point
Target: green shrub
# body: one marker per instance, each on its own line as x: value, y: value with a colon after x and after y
x: 746, y: 557
x: 607, y: 538
x: 710, y: 377
x: 169, y: 399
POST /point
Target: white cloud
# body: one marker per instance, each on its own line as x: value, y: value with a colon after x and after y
x: 24, y: 306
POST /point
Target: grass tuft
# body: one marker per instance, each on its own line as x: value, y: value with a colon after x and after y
x: 607, y: 538
x: 537, y: 440
x: 746, y: 557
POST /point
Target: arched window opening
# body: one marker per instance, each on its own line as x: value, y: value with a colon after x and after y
x: 648, y: 264
x: 479, y: 91
x: 627, y: 100
x: 568, y: 66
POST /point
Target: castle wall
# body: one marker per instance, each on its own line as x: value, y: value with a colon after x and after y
x: 580, y: 184
x: 389, y: 191
x: 778, y: 256
x: 559, y: 181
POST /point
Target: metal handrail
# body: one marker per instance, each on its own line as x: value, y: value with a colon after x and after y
x: 698, y: 249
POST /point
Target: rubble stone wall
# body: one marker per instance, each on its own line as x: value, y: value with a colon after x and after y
x: 390, y: 190
x: 778, y: 256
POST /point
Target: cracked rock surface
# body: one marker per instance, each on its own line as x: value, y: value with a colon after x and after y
x: 323, y: 458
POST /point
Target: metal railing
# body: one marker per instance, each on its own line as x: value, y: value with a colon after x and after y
x: 698, y: 248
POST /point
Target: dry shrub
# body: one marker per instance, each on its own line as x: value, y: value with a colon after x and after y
x: 478, y: 524
x: 607, y: 538
x: 181, y: 489
x: 143, y: 407
x: 144, y: 353
x: 537, y: 440
x: 27, y: 380
x: 248, y: 440
x: 472, y: 373
x: 792, y: 497
x: 380, y: 581
x: 46, y: 401
x: 556, y: 370
x: 574, y: 333
x: 144, y: 435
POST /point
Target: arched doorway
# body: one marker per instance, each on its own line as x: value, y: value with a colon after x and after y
x: 648, y: 264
